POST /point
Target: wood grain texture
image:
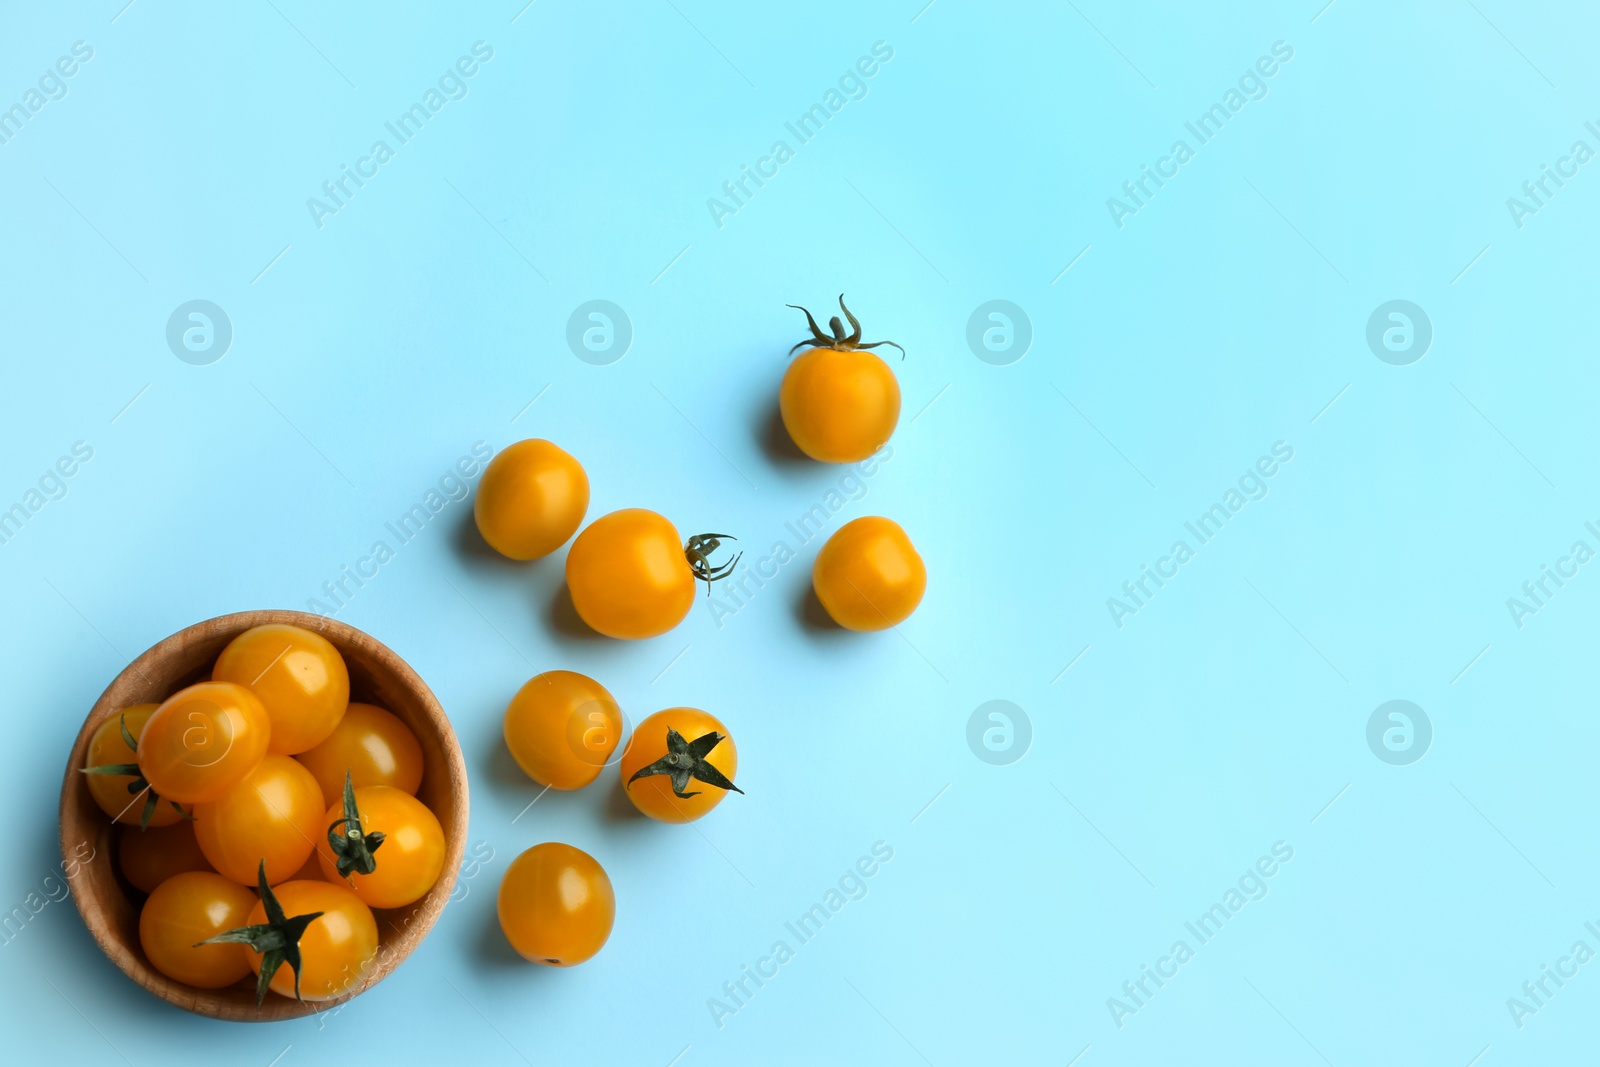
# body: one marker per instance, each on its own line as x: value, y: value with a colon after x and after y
x: 110, y: 907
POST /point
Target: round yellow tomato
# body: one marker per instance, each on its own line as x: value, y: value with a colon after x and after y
x: 110, y: 791
x: 556, y: 905
x: 408, y: 860
x: 869, y: 576
x: 679, y: 764
x: 562, y: 728
x: 149, y: 857
x: 373, y: 746
x: 202, y: 741
x: 839, y: 402
x: 299, y: 676
x: 274, y: 815
x: 531, y: 499
x: 337, y: 949
x: 631, y: 576
x: 185, y: 910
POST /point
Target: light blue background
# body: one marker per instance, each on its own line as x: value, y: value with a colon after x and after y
x: 1225, y: 316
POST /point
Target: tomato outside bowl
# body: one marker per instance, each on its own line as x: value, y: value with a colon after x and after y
x: 110, y: 907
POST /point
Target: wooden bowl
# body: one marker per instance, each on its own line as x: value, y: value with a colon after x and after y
x: 110, y: 907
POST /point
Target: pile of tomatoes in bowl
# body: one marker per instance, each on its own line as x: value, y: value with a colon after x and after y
x: 266, y: 816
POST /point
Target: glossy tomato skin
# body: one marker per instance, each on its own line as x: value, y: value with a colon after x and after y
x: 408, y: 861
x: 556, y: 905
x: 336, y: 951
x: 373, y: 745
x: 274, y: 815
x: 869, y: 575
x: 185, y: 910
x: 562, y: 729
x: 107, y: 747
x: 299, y: 677
x: 531, y: 499
x: 653, y: 796
x: 202, y: 741
x: 839, y: 405
x: 149, y: 857
x: 628, y: 575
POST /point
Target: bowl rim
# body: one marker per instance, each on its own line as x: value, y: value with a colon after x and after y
x: 424, y: 913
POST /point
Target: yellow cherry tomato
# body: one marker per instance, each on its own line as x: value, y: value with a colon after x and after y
x: 562, y: 728
x: 149, y: 857
x: 631, y: 576
x: 373, y: 746
x: 556, y: 905
x: 274, y: 815
x: 679, y: 750
x: 110, y: 791
x: 869, y: 576
x: 185, y: 910
x: 202, y: 741
x: 531, y: 499
x: 408, y: 860
x: 300, y: 677
x: 337, y: 950
x: 839, y: 402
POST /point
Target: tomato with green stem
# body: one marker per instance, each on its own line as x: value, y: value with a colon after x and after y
x: 299, y: 677
x: 370, y: 745
x: 272, y: 818
x: 410, y: 835
x: 839, y: 401
x: 631, y: 576
x: 115, y: 781
x: 180, y: 922
x: 556, y: 905
x: 202, y: 741
x: 323, y: 932
x: 671, y: 750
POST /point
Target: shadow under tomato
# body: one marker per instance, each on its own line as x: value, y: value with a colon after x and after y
x: 469, y: 544
x: 493, y: 950
x: 813, y: 617
x: 566, y: 621
x: 618, y: 808
x: 775, y: 442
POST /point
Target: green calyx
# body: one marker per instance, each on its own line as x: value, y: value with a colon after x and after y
x: 138, y: 785
x: 840, y: 339
x: 277, y: 939
x: 698, y: 552
x: 685, y: 760
x: 352, y: 850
